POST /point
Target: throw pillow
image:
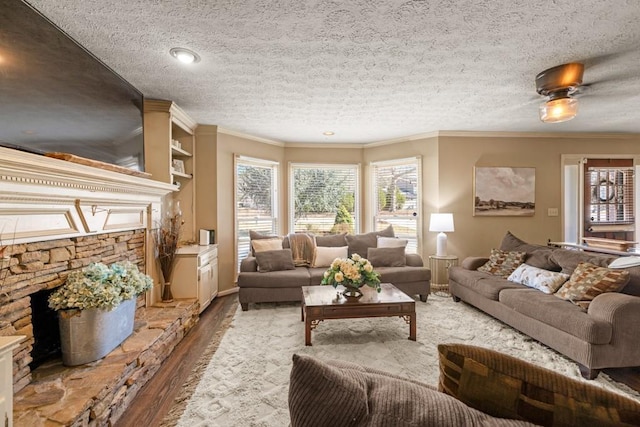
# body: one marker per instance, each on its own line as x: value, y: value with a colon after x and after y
x: 391, y: 242
x: 537, y: 278
x: 507, y: 387
x: 588, y: 281
x: 324, y: 255
x: 276, y: 260
x: 337, y: 393
x: 266, y: 245
x: 255, y: 235
x: 387, y: 257
x: 502, y: 263
x: 332, y: 240
x: 360, y: 243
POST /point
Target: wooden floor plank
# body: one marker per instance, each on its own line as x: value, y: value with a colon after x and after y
x: 156, y: 398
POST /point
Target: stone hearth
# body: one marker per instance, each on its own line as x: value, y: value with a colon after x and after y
x: 98, y: 393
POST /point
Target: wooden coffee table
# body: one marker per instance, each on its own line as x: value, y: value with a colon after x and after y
x: 326, y: 302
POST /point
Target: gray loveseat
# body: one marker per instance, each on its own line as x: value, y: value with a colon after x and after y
x: 255, y: 286
x: 603, y: 336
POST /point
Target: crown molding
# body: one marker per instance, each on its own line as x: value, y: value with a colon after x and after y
x: 554, y: 135
x: 250, y: 137
x: 324, y: 145
x: 439, y: 134
x: 425, y: 135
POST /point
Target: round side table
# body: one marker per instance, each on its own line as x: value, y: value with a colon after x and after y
x: 439, y: 266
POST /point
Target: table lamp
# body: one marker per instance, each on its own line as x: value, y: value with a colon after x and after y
x: 441, y: 222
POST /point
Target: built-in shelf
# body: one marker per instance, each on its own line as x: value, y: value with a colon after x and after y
x: 179, y: 152
x: 180, y: 174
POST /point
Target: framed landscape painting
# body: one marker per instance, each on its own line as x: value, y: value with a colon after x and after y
x: 504, y: 191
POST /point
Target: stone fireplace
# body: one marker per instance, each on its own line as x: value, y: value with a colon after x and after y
x: 37, y: 267
x: 57, y: 216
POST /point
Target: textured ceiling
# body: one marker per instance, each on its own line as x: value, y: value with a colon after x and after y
x: 369, y: 70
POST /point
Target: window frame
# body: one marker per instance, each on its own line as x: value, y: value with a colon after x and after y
x: 275, y: 195
x: 309, y: 165
x: 373, y: 193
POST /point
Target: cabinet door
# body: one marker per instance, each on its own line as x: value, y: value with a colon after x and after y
x: 214, y: 278
x: 204, y: 286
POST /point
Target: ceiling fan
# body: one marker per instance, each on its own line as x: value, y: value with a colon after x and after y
x: 560, y: 84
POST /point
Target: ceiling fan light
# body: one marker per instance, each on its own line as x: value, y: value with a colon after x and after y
x: 558, y: 110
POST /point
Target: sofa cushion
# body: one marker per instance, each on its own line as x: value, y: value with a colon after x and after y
x: 323, y: 256
x: 359, y: 243
x: 485, y: 284
x: 537, y: 278
x: 387, y: 257
x: 504, y: 386
x: 337, y: 393
x: 406, y: 274
x: 568, y: 260
x: 332, y: 240
x: 276, y: 260
x: 588, y: 281
x: 557, y: 313
x: 537, y: 255
x: 502, y: 263
x: 316, y: 275
x: 275, y: 279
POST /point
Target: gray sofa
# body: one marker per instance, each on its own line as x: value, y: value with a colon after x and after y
x: 280, y: 286
x: 603, y: 336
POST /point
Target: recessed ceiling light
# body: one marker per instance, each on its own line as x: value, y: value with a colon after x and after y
x: 328, y: 133
x: 185, y: 56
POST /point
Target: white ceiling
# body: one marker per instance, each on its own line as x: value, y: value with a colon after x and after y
x: 369, y: 70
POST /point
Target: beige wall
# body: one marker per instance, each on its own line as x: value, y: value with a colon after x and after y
x: 447, y: 183
x: 459, y: 155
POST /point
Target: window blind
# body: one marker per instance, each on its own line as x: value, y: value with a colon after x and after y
x: 611, y: 195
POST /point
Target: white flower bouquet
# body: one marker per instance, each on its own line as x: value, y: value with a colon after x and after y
x: 351, y: 272
x: 100, y: 286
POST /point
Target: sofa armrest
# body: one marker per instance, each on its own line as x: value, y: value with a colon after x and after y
x: 249, y: 265
x: 473, y: 262
x: 414, y: 260
x: 622, y: 311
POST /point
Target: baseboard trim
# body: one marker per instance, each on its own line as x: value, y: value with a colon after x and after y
x: 228, y: 291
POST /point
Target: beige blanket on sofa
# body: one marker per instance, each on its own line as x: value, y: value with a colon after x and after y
x: 302, y: 247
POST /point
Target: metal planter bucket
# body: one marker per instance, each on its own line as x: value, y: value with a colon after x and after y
x: 91, y: 334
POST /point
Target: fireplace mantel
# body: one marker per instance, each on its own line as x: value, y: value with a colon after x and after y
x: 43, y: 198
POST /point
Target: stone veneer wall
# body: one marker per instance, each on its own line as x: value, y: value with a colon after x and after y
x: 44, y: 265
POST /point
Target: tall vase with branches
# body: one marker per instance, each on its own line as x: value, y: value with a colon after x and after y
x: 166, y: 237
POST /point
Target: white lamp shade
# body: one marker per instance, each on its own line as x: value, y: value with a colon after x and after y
x: 442, y: 222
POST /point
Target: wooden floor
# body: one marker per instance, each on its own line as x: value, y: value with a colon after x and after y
x: 156, y: 398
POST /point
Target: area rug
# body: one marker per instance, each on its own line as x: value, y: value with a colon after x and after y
x: 246, y: 379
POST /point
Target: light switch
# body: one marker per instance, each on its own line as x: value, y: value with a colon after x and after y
x: 552, y: 212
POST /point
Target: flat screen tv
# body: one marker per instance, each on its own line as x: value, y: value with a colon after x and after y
x: 55, y: 96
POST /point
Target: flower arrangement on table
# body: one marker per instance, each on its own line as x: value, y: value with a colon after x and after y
x: 352, y: 273
x: 100, y: 286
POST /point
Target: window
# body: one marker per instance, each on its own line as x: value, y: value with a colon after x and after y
x: 256, y: 201
x: 324, y: 198
x: 396, y: 198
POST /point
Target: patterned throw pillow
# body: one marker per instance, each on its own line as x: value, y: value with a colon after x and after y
x: 588, y: 281
x: 537, y: 278
x: 507, y: 387
x: 502, y: 263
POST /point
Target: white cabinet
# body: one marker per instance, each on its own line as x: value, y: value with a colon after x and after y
x: 195, y: 274
x: 7, y: 344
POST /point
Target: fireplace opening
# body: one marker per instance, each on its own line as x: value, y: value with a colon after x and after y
x: 45, y: 330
